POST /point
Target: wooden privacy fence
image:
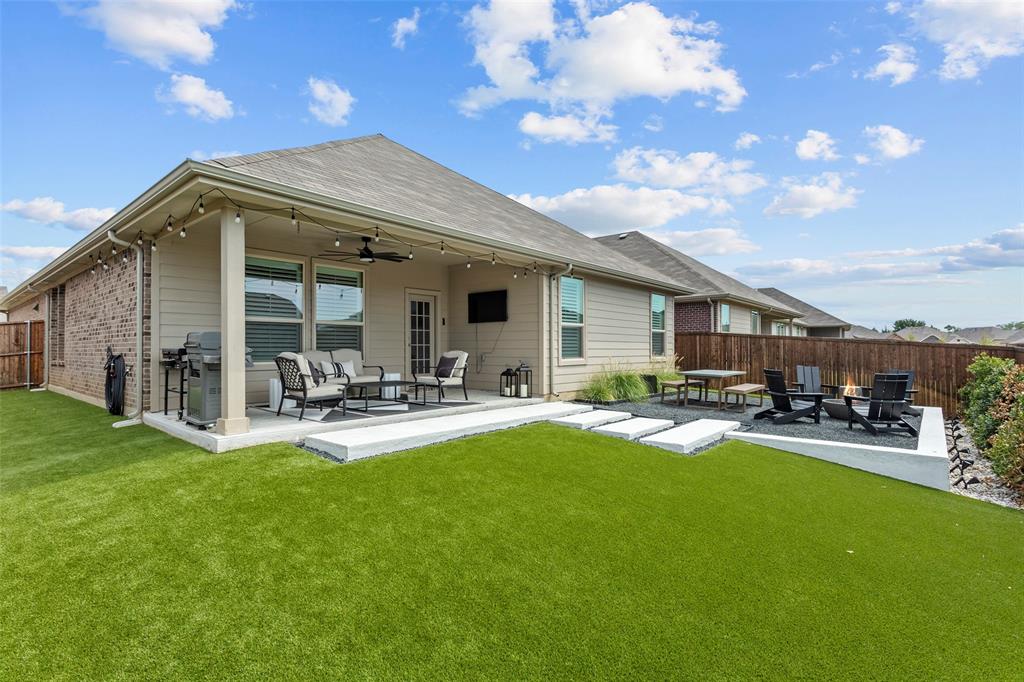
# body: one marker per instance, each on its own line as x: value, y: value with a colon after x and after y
x: 940, y: 369
x: 21, y: 353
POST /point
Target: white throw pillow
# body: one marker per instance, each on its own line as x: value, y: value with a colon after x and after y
x: 328, y: 368
x: 348, y: 368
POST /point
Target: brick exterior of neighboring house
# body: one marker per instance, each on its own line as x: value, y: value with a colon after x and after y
x: 695, y: 317
x: 25, y: 313
x: 88, y: 313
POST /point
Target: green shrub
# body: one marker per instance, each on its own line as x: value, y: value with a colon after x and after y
x: 1006, y: 446
x: 598, y: 389
x: 615, y: 385
x: 979, y: 394
x: 665, y: 372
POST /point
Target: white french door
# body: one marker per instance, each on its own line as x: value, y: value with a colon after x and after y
x: 421, y: 332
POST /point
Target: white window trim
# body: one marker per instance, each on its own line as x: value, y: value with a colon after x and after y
x: 755, y: 327
x: 583, y: 335
x: 653, y: 331
x: 302, y: 322
x: 720, y: 326
x: 314, y: 262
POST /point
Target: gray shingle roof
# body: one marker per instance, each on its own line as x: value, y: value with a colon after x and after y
x: 376, y: 172
x: 704, y: 280
x: 813, y: 317
x: 859, y: 332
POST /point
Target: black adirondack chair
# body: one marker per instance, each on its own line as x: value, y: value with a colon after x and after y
x: 909, y: 409
x: 788, y: 406
x: 885, y: 406
x: 808, y: 380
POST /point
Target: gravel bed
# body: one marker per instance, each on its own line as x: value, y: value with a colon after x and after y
x: 990, y: 487
x: 828, y: 429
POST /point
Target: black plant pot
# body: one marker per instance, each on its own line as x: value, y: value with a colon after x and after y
x: 652, y: 383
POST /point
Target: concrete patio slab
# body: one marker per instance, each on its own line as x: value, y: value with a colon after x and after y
x: 631, y: 429
x: 689, y: 437
x: 594, y: 418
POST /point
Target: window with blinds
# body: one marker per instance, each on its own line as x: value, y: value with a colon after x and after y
x: 339, y: 308
x: 273, y: 307
x: 572, y: 318
x: 657, y: 325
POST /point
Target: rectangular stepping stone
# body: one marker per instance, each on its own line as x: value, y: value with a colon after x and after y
x: 351, y: 444
x: 631, y: 429
x: 588, y: 420
x: 689, y: 437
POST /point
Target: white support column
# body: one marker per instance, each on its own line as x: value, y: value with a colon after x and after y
x: 232, y: 324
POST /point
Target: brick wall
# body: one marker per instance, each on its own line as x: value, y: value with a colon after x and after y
x: 99, y: 310
x: 694, y: 317
x: 25, y: 311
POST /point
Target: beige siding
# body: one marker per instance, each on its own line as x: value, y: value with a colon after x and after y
x: 493, y: 346
x: 739, y: 319
x: 617, y: 334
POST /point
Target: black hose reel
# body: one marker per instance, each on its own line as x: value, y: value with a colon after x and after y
x: 113, y: 390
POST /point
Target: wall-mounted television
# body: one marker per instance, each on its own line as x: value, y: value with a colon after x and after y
x: 488, y: 306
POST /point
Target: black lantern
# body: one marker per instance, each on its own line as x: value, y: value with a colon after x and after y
x: 524, y: 381
x: 507, y: 387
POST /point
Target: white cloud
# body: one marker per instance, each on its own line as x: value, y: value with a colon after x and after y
x: 571, y: 129
x: 606, y: 208
x: 590, y: 62
x: 833, y: 59
x: 159, y: 31
x: 715, y: 241
x: 823, y: 194
x: 701, y: 172
x: 34, y: 253
x: 1001, y: 249
x: 330, y: 104
x: 892, y: 143
x: 900, y: 64
x: 200, y: 155
x: 49, y: 211
x: 817, y: 145
x: 405, y: 27
x: 654, y: 123
x: 746, y: 140
x: 971, y: 34
x: 862, y: 159
x: 893, y: 7
x: 198, y: 99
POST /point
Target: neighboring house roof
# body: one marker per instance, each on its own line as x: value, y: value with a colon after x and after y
x: 992, y: 334
x: 705, y: 281
x: 927, y: 335
x: 858, y: 332
x: 1017, y: 339
x: 813, y: 317
x: 378, y: 172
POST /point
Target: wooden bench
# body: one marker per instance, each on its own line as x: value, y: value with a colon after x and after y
x: 743, y: 390
x: 682, y: 387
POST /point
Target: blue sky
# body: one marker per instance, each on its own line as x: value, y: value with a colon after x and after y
x: 881, y: 175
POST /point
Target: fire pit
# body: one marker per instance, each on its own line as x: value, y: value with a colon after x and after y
x: 836, y: 407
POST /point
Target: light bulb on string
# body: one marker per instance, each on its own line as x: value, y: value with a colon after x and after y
x: 337, y: 241
x: 152, y: 246
x: 376, y: 234
x: 238, y: 216
x: 294, y: 221
x: 170, y: 224
x: 202, y: 208
x: 410, y: 253
x: 183, y: 233
x: 442, y: 247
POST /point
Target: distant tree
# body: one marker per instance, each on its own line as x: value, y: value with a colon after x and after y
x: 907, y: 322
x: 1012, y: 325
x: 951, y: 328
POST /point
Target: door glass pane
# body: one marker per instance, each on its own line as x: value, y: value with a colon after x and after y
x: 420, y: 351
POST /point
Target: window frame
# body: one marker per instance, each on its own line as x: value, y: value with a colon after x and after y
x: 755, y: 321
x: 313, y: 322
x: 582, y: 359
x: 664, y: 325
x: 299, y: 321
x: 724, y: 311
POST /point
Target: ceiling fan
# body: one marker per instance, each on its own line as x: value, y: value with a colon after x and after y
x: 364, y: 255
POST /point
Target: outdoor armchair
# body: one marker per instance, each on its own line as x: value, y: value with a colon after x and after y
x: 449, y: 372
x: 343, y: 367
x: 299, y: 384
x: 885, y: 406
x: 787, y: 405
x: 808, y: 380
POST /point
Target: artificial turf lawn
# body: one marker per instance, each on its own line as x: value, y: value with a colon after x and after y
x: 535, y: 552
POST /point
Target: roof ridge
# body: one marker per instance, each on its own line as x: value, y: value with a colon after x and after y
x: 256, y: 157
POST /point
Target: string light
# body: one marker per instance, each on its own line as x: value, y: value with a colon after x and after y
x: 202, y: 208
x: 469, y: 263
x: 124, y: 256
x: 376, y: 234
x: 442, y: 247
x: 170, y: 224
x: 535, y: 268
x: 105, y: 266
x: 410, y: 253
x: 238, y: 216
x: 113, y: 250
x: 293, y: 217
x: 139, y: 240
x: 515, y: 274
x: 183, y: 233
x: 92, y: 265
x: 152, y: 246
x: 492, y: 258
x: 337, y: 241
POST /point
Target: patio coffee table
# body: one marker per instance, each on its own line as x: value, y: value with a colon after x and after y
x: 396, y: 384
x: 709, y: 375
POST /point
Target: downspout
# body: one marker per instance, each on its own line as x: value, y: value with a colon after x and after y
x: 553, y: 324
x: 46, y: 346
x: 136, y: 416
x: 714, y: 316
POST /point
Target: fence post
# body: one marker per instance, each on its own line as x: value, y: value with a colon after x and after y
x: 28, y: 353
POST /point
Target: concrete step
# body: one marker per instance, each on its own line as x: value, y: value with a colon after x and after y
x: 353, y: 444
x: 588, y: 420
x: 688, y: 437
x: 631, y: 429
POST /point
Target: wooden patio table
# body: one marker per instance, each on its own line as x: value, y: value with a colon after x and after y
x: 709, y: 375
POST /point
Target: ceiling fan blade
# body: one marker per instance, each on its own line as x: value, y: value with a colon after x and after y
x: 394, y: 258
